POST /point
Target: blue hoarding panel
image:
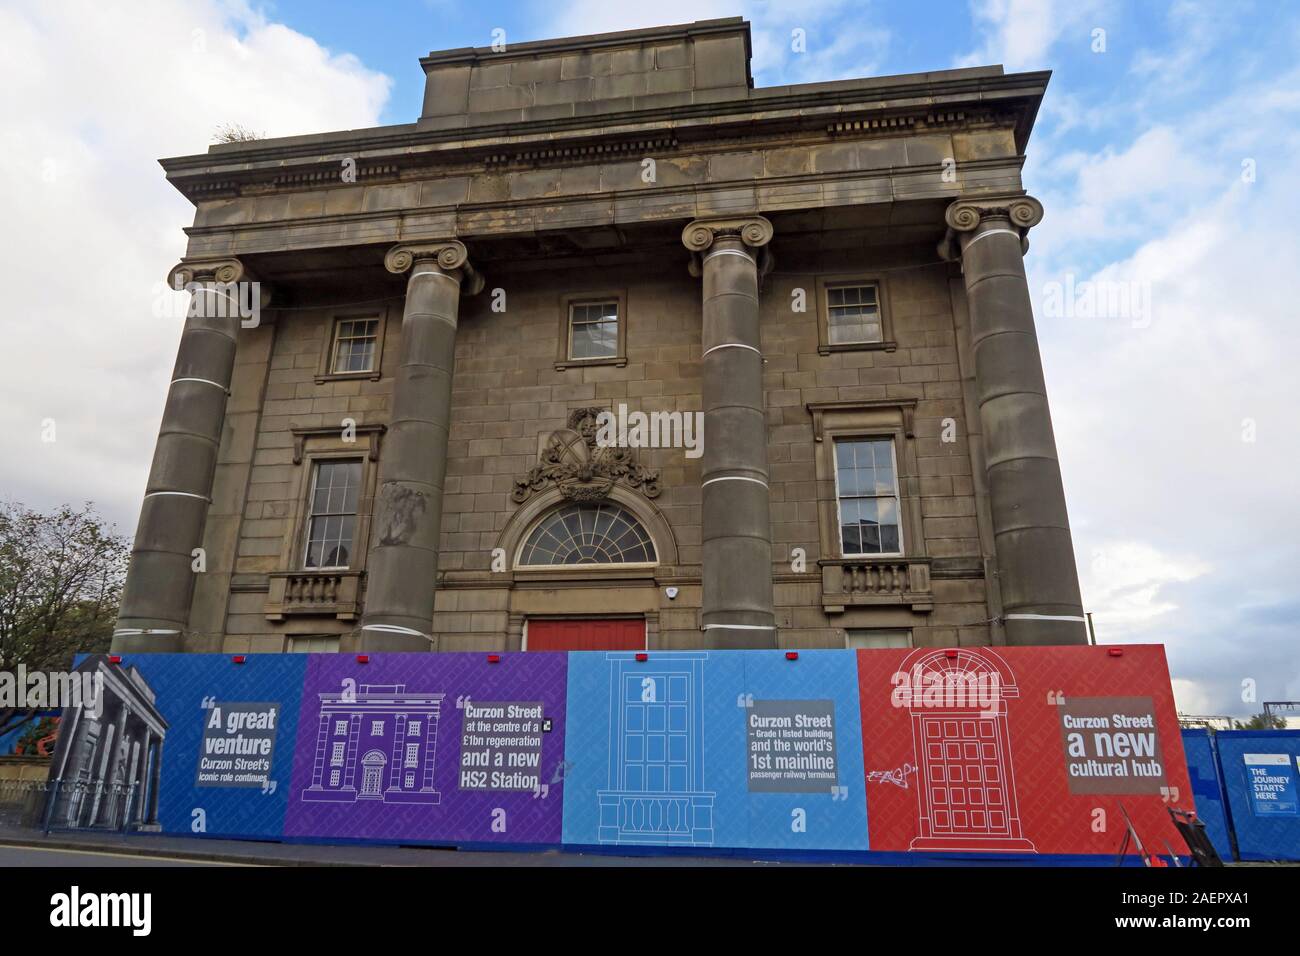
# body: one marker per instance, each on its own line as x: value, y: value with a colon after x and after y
x: 1261, y: 773
x: 1207, y: 789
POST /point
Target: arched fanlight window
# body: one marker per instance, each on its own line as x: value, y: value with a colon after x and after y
x: 588, y: 533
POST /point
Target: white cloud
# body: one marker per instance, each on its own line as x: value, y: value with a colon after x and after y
x: 93, y: 94
x: 1019, y: 34
x: 1124, y: 584
x: 1174, y: 433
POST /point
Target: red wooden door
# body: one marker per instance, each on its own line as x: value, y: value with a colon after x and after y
x: 586, y: 635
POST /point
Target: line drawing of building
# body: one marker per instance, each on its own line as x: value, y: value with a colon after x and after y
x: 377, y: 743
x: 109, y: 766
x: 656, y: 789
x: 966, y: 795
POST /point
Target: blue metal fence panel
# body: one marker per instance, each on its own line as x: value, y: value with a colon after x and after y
x: 1261, y: 774
x: 1207, y: 788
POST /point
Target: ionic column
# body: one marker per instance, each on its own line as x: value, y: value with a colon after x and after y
x: 160, y: 581
x: 737, y: 529
x: 408, y: 506
x: 156, y: 781
x: 1031, y: 532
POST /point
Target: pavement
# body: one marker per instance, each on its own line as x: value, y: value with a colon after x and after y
x: 24, y: 847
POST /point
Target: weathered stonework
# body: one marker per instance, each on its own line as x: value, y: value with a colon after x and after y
x: 640, y: 168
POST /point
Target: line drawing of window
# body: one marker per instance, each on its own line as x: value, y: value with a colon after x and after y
x: 376, y: 728
x: 334, y: 777
x: 336, y: 758
x: 655, y: 789
x: 413, y: 729
x: 412, y: 755
x: 340, y: 728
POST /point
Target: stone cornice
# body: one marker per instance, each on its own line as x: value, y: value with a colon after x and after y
x: 253, y: 233
x: 584, y: 44
x: 855, y: 108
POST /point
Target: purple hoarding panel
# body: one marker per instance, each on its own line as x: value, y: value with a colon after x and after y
x: 436, y: 748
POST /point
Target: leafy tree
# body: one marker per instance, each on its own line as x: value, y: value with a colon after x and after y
x: 61, y: 576
x: 1260, y: 722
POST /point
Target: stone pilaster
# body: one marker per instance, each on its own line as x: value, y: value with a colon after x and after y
x: 408, y: 506
x: 160, y: 579
x: 737, y: 530
x: 1031, y: 532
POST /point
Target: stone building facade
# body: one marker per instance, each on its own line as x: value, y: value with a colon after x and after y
x: 396, y: 447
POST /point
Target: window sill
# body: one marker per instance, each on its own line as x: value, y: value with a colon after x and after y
x: 858, y: 347
x: 618, y: 360
x: 372, y: 376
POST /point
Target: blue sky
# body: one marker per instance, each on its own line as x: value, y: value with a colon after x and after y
x: 1164, y: 161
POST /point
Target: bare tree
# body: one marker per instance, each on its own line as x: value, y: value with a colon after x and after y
x: 235, y: 133
x: 61, y: 577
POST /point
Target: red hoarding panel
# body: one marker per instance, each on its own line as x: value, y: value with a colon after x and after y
x: 1020, y: 749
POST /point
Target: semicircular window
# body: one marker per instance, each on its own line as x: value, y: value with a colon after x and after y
x: 588, y: 533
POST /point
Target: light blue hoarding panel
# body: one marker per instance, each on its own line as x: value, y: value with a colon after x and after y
x: 693, y: 750
x: 652, y: 749
x: 804, y: 751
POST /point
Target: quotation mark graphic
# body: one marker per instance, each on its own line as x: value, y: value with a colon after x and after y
x: 462, y: 701
x: 208, y: 703
x: 839, y: 793
x: 1169, y: 794
x: 1055, y: 697
x: 541, y: 791
x: 744, y: 700
x: 268, y: 787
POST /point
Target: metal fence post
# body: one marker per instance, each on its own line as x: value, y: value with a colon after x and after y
x: 51, y: 799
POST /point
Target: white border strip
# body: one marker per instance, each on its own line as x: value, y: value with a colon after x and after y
x: 731, y: 345
x: 440, y: 275
x: 757, y: 481
x: 730, y: 252
x: 1043, y: 617
x: 992, y: 232
x: 186, y: 494
x: 740, y: 627
x: 395, y: 629
x: 204, y: 381
x: 129, y: 631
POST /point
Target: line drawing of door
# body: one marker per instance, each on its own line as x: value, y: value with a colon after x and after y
x: 656, y: 789
x: 966, y: 795
x: 372, y: 775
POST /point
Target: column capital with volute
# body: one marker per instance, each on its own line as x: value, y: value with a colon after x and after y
x: 751, y: 232
x: 450, y: 255
x: 965, y: 217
